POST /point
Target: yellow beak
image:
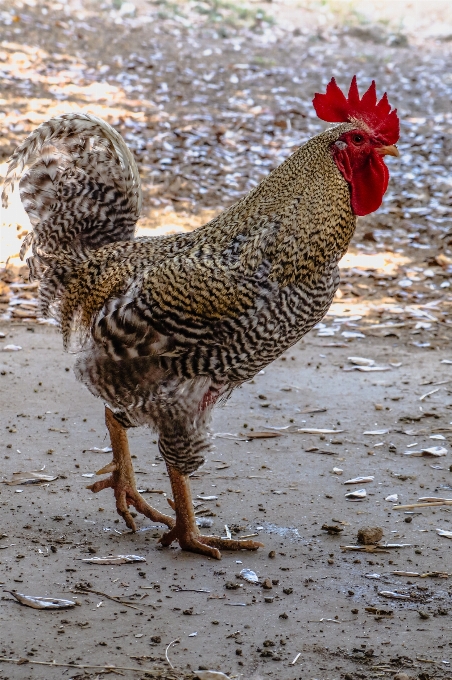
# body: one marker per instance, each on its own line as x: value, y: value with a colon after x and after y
x: 390, y: 150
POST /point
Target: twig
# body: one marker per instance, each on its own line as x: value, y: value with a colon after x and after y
x: 428, y: 394
x: 189, y: 590
x: 421, y: 505
x: 75, y: 665
x: 166, y: 651
x: 364, y: 548
x: 109, y: 597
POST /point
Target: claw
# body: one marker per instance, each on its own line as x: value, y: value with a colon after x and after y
x: 111, y: 467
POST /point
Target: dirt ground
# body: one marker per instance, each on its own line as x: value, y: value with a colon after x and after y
x: 283, y: 489
x: 211, y: 96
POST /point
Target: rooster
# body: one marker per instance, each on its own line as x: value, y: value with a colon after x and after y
x: 166, y: 327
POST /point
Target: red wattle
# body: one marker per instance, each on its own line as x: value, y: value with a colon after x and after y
x: 368, y: 182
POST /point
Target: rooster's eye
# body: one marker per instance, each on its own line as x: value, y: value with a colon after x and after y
x: 358, y: 139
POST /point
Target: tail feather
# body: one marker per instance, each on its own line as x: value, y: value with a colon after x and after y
x: 80, y: 186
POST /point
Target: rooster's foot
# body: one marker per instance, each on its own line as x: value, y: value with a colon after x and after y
x: 190, y: 539
x: 186, y: 531
x: 126, y: 494
x: 122, y: 478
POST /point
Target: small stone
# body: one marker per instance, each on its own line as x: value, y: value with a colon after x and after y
x: 283, y: 616
x: 267, y: 584
x: 408, y: 520
x: 269, y: 643
x: 332, y: 529
x: 423, y: 614
x: 370, y: 535
x: 272, y: 553
x: 287, y: 591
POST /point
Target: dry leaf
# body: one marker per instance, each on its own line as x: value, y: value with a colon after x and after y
x: 21, y: 478
x: 443, y: 532
x: 358, y: 495
x: 41, y: 602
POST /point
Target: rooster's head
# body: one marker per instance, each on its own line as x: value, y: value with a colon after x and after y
x: 372, y: 133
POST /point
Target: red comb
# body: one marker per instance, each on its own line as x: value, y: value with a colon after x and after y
x: 335, y: 107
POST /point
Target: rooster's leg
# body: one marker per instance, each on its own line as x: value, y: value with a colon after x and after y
x: 186, y: 530
x: 122, y: 479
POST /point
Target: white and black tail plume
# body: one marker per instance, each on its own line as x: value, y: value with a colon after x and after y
x: 80, y: 186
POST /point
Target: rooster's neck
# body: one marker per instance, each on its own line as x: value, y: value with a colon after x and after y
x: 298, y: 218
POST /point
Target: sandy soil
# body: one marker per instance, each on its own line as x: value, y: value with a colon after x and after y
x: 283, y: 489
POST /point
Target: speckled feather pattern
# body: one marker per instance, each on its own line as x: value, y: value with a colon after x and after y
x: 167, y: 326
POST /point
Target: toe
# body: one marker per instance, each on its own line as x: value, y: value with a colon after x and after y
x: 101, y: 484
x: 122, y: 509
x: 169, y: 537
x: 148, y: 511
x: 128, y: 519
x: 231, y: 544
x: 190, y: 542
x: 202, y: 548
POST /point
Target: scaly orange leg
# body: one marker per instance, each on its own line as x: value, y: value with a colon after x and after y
x: 186, y: 530
x: 122, y: 479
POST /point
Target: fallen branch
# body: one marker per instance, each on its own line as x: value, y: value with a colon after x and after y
x: 420, y: 505
x: 84, y: 591
x: 364, y: 548
x: 189, y: 590
x: 107, y: 668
